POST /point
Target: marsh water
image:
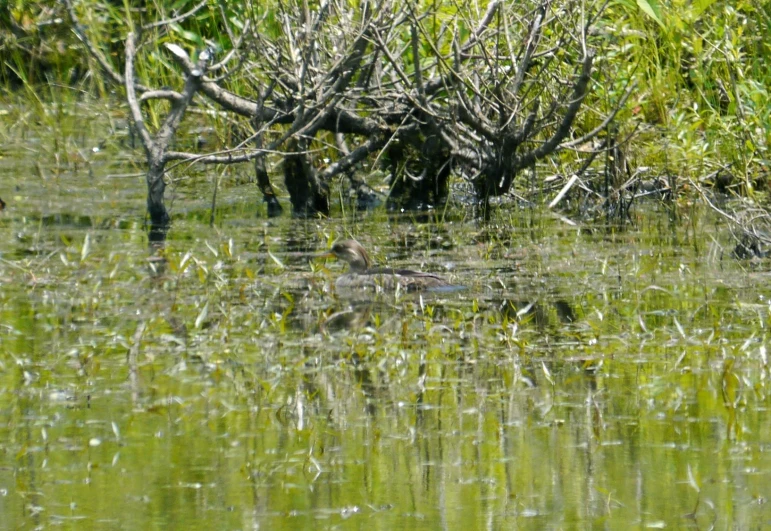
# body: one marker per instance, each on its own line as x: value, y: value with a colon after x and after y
x: 584, y: 377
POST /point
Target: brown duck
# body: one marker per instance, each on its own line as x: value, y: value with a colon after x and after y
x: 361, y: 274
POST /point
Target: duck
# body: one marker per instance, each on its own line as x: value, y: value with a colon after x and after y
x: 362, y: 274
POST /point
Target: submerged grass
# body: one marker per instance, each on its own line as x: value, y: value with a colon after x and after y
x: 578, y: 372
x: 585, y: 376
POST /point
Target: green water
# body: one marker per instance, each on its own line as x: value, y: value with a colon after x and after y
x: 583, y: 378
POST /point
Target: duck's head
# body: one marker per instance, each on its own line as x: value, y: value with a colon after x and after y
x: 352, y: 252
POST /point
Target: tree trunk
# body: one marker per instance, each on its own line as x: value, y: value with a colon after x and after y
x: 422, y: 175
x: 263, y: 181
x: 309, y: 194
x: 159, y: 216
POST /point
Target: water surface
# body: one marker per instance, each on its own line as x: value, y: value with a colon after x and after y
x: 585, y: 377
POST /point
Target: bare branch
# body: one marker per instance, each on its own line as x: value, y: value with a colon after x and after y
x: 174, y: 118
x: 131, y: 96
x: 209, y: 158
x: 608, y: 119
x: 170, y: 95
x: 492, y: 8
x: 354, y: 157
x: 579, y: 92
x: 106, y: 67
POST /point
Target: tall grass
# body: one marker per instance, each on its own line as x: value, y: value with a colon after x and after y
x: 704, y: 69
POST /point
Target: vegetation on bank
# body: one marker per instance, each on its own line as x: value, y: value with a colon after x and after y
x: 696, y: 74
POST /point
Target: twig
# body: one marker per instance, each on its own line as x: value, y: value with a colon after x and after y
x: 573, y: 179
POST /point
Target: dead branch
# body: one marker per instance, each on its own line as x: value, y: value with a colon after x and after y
x: 383, y: 84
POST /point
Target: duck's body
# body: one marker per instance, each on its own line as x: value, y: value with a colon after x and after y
x: 389, y: 279
x: 363, y: 275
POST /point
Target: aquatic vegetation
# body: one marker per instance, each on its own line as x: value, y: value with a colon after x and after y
x: 224, y: 379
x: 590, y: 374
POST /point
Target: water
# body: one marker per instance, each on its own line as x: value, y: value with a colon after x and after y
x: 583, y: 378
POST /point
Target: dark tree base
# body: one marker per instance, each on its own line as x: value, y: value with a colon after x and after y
x: 308, y: 194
